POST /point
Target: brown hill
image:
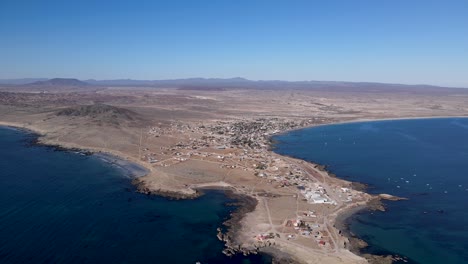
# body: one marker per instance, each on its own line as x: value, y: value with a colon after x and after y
x: 102, y: 113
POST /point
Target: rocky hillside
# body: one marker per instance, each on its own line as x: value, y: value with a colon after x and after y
x: 101, y: 113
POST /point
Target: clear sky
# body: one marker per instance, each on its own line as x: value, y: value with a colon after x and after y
x: 398, y: 41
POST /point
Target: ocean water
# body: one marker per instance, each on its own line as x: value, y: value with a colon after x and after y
x: 63, y: 207
x: 425, y: 160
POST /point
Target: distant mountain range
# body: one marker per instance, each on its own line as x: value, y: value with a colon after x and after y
x: 177, y: 82
x: 21, y: 81
x: 214, y: 83
x: 44, y: 82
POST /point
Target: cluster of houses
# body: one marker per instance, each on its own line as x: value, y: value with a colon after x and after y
x: 266, y: 236
x: 306, y: 229
x: 249, y: 135
x: 245, y: 134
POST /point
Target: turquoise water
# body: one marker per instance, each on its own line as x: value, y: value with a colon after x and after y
x: 425, y: 160
x: 63, y: 207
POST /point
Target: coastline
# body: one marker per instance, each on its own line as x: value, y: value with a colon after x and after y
x: 243, y: 203
x: 128, y: 168
x: 235, y: 220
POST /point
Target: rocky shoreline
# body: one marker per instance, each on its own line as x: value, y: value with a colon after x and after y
x: 246, y: 204
x: 356, y: 244
x: 169, y: 194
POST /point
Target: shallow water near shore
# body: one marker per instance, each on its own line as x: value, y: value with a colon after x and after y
x: 63, y: 207
x: 425, y: 160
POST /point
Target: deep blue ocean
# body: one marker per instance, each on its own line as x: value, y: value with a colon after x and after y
x: 425, y: 160
x: 63, y: 207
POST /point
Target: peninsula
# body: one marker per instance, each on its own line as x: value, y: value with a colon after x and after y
x: 216, y: 133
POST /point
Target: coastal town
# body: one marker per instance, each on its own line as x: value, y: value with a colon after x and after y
x: 234, y: 132
x: 246, y: 146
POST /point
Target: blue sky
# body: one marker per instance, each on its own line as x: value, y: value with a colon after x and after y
x: 398, y: 41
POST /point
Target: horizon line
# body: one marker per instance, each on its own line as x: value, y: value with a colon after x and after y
x: 229, y: 78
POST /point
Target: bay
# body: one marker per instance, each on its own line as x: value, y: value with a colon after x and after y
x: 425, y: 160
